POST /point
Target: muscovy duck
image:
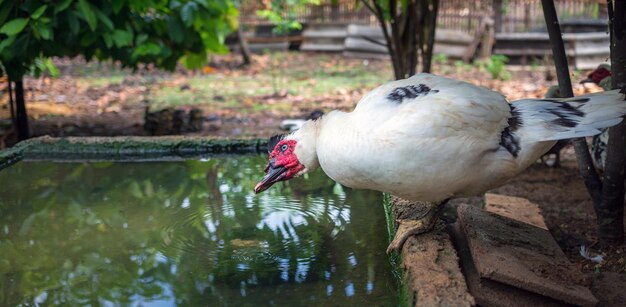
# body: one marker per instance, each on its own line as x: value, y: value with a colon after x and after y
x: 430, y: 138
x: 601, y: 76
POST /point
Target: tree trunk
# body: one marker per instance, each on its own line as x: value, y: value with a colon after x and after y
x: 20, y: 106
x: 243, y: 47
x: 427, y: 41
x: 409, y: 32
x: 610, y: 210
x: 497, y: 12
x: 11, y: 102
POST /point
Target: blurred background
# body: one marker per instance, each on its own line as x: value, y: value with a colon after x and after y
x: 239, y: 68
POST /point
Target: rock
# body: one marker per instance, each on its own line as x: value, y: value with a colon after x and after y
x: 492, y: 293
x: 430, y: 263
x: 517, y: 208
x: 196, y: 120
x: 521, y: 255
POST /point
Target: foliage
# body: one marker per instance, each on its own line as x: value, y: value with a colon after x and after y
x: 282, y: 14
x: 441, y: 59
x: 462, y: 66
x: 496, y: 66
x: 158, y: 32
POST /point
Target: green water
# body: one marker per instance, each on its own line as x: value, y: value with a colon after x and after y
x: 187, y: 233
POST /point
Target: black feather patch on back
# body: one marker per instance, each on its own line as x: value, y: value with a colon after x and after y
x: 273, y: 141
x: 398, y: 94
x: 508, y: 139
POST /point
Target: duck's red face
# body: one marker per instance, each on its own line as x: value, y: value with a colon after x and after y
x: 283, y: 165
x: 597, y: 75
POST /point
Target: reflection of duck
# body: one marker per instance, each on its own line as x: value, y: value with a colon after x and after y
x: 430, y: 138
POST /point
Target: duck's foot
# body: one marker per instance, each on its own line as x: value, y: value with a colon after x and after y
x: 409, y: 228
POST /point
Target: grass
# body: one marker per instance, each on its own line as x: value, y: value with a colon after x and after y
x: 100, y: 81
x: 313, y: 79
x: 272, y: 83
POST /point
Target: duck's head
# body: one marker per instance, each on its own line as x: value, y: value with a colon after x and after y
x: 598, y: 74
x: 290, y: 155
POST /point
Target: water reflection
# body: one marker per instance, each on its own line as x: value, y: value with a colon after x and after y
x: 187, y: 233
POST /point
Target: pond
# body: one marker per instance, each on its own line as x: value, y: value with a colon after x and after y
x: 187, y: 233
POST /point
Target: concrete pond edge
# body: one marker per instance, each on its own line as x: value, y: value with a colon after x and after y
x: 126, y: 148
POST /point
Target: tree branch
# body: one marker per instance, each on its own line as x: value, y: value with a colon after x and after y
x: 378, y: 12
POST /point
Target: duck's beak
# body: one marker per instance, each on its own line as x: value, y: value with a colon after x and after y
x: 272, y: 175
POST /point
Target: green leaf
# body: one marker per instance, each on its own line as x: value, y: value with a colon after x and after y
x: 195, y: 60
x: 108, y: 40
x: 53, y: 69
x: 104, y: 18
x: 62, y: 6
x: 122, y: 38
x: 7, y: 42
x: 212, y: 42
x: 141, y: 38
x: 117, y: 5
x: 72, y: 20
x: 175, y: 30
x: 4, y: 12
x: 39, y: 12
x: 14, y: 26
x: 44, y: 30
x: 188, y: 13
x: 146, y: 49
x: 88, y: 14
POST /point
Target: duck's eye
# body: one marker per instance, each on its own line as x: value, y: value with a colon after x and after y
x: 284, y: 147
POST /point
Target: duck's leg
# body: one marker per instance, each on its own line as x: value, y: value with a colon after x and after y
x: 410, y: 227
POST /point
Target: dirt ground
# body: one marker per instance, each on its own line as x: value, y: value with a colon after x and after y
x: 85, y: 103
x: 568, y: 211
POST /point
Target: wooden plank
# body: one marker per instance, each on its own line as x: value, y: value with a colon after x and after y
x: 366, y: 55
x: 273, y: 39
x: 368, y: 31
x: 325, y: 33
x: 360, y: 44
x: 453, y: 51
x: 455, y: 37
x: 310, y: 46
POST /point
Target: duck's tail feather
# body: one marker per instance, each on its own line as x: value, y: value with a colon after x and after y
x: 535, y: 120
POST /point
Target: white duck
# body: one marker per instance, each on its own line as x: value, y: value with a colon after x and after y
x: 430, y: 138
